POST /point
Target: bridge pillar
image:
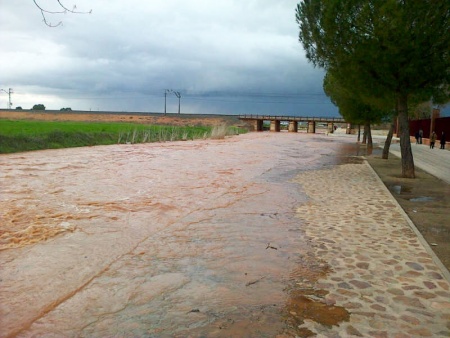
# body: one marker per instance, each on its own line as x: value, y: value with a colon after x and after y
x: 258, y: 125
x: 312, y: 127
x: 293, y: 126
x: 275, y: 125
x: 330, y: 127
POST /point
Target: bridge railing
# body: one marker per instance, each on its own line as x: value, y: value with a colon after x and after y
x: 291, y: 118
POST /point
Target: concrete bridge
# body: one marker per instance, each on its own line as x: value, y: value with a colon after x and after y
x: 275, y: 122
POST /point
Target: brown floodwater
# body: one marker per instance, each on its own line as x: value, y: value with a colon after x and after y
x: 196, y: 238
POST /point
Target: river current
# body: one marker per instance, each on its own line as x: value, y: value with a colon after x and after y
x: 196, y: 238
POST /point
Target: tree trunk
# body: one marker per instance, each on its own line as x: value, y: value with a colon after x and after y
x: 405, y: 143
x: 364, y: 141
x: 369, y: 139
x: 387, y: 143
x: 359, y: 133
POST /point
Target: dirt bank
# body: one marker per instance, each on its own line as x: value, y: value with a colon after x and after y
x: 158, y: 119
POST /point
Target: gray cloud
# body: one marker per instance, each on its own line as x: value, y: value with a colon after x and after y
x: 224, y: 57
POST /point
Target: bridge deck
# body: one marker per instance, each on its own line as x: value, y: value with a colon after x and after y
x: 292, y: 118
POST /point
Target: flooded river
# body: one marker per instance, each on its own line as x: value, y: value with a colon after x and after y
x: 196, y: 238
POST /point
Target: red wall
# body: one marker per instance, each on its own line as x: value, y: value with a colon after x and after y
x: 416, y: 125
x: 441, y: 124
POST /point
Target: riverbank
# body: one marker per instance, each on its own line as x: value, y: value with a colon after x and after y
x: 25, y: 135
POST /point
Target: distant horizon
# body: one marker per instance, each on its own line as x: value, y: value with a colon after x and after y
x: 118, y: 112
x: 172, y: 109
x: 223, y: 103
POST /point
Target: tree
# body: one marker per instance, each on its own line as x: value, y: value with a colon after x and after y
x: 356, y: 107
x: 39, y: 106
x: 18, y: 108
x: 66, y: 109
x: 391, y: 46
x: 353, y: 107
x: 421, y: 111
x: 63, y: 10
x: 420, y: 107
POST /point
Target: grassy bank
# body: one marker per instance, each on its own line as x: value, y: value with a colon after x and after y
x: 18, y: 136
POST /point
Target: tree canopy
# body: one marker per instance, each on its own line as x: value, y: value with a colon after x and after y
x: 352, y: 106
x: 39, y: 106
x: 385, y: 47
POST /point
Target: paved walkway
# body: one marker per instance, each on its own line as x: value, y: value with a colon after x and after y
x: 434, y: 161
x: 381, y: 271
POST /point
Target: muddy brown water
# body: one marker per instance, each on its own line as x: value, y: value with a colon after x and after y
x: 196, y: 238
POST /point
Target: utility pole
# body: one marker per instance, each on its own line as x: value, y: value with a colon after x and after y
x: 9, y: 92
x: 165, y: 100
x: 177, y: 94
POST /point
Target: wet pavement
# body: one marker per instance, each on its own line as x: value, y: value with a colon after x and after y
x: 260, y: 235
x: 434, y: 161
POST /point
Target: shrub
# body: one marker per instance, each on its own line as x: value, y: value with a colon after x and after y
x: 219, y: 132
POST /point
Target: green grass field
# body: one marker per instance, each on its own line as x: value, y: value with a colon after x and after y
x: 21, y: 135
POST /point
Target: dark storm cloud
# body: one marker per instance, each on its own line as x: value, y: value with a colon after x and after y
x: 223, y: 56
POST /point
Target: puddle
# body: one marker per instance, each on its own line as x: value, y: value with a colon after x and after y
x: 196, y: 238
x: 399, y: 189
x: 303, y: 308
x: 347, y: 154
x: 351, y: 160
x: 422, y: 199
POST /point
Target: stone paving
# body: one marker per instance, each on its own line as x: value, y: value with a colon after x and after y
x: 380, y: 269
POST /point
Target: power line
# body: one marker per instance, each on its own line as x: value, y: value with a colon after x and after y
x: 279, y: 98
x: 215, y: 96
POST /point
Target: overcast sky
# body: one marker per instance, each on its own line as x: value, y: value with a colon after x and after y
x: 223, y: 56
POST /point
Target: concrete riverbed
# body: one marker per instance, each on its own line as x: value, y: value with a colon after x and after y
x: 259, y: 235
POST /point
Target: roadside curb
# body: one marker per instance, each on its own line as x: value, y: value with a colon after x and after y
x: 422, y: 240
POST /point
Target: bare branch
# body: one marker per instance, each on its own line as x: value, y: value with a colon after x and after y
x: 63, y: 10
x: 73, y: 10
